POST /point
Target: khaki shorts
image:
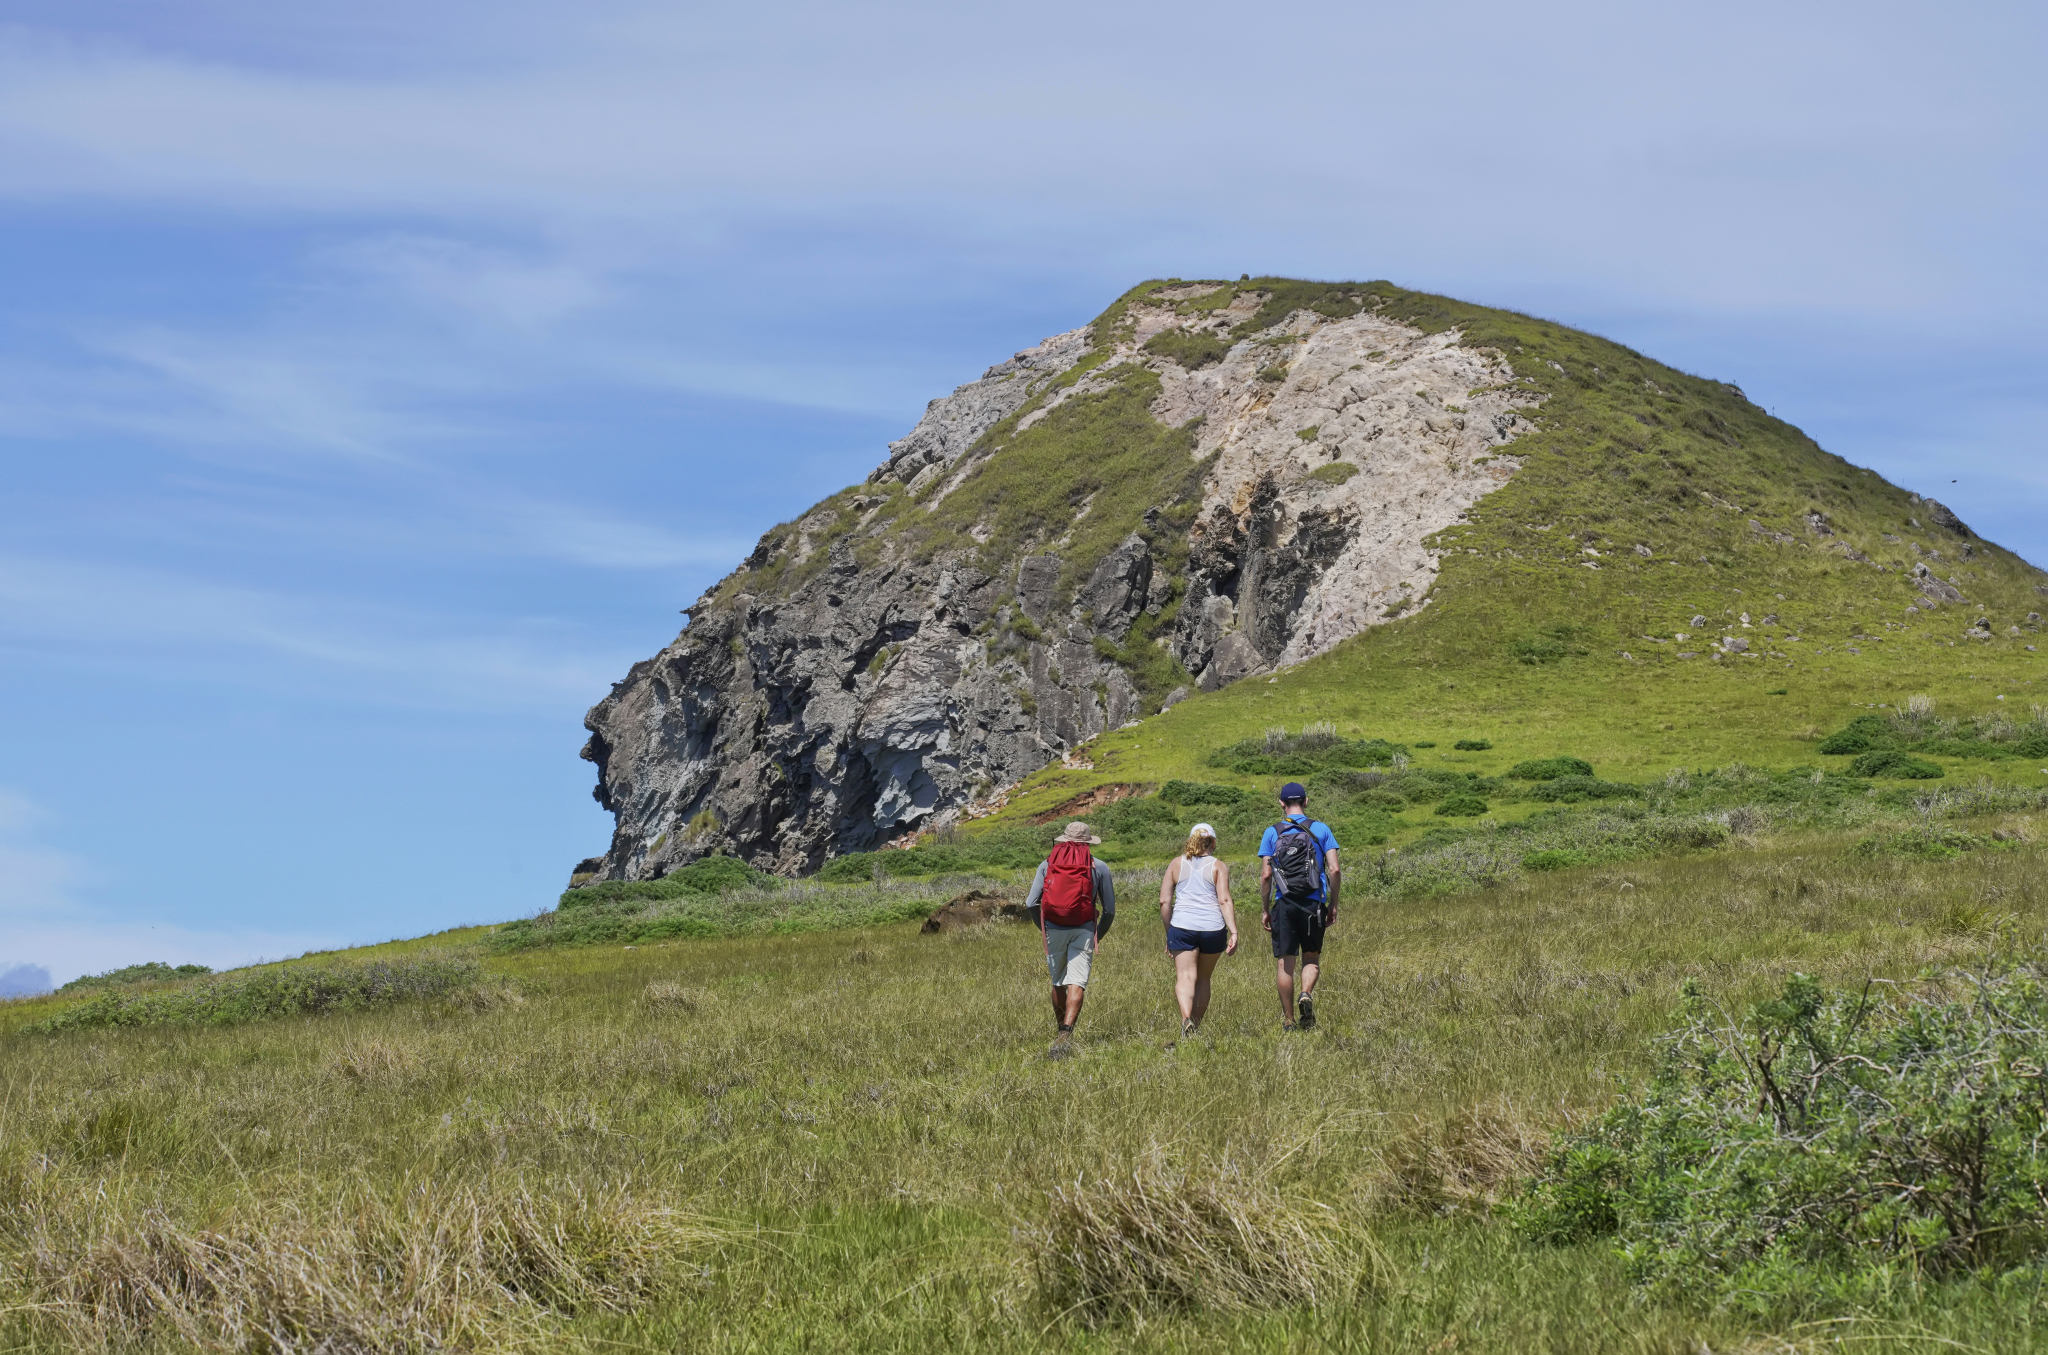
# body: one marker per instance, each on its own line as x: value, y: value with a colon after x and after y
x: 1067, y: 950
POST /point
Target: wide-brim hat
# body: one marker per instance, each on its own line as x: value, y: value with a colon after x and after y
x: 1077, y: 831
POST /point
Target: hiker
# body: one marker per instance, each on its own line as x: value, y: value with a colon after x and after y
x: 1201, y: 924
x: 1073, y: 901
x: 1298, y: 885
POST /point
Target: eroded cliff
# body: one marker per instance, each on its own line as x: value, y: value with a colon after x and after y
x: 1209, y: 482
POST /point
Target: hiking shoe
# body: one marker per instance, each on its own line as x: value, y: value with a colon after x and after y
x: 1187, y: 1028
x: 1062, y: 1045
x: 1286, y: 1026
x: 1307, y: 1007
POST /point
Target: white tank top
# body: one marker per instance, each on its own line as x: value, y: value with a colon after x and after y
x: 1195, y: 907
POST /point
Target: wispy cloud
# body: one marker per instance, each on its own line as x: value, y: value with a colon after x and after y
x: 338, y: 645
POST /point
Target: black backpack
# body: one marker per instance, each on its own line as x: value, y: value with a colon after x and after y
x: 1297, y: 860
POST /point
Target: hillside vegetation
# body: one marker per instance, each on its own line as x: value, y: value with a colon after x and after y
x: 1582, y: 607
x: 852, y: 1140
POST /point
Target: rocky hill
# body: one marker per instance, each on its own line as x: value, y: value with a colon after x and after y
x: 1211, y: 481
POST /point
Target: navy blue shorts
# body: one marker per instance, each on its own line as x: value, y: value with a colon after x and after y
x: 1208, y: 943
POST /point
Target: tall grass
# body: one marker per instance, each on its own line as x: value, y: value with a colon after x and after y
x: 853, y: 1139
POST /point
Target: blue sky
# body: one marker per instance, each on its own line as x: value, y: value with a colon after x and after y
x: 378, y: 381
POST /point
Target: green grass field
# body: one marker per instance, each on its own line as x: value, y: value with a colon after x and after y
x: 853, y: 1139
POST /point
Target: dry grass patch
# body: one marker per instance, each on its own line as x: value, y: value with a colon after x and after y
x: 434, y: 1269
x: 671, y: 998
x: 1159, y: 1239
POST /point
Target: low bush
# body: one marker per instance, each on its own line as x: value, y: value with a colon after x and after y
x: 1315, y: 749
x: 1462, y: 807
x: 1191, y: 349
x: 1551, y: 644
x: 1890, y: 762
x: 1197, y: 793
x: 1554, y: 859
x: 1574, y: 789
x: 1826, y: 1150
x: 1472, y: 745
x: 711, y: 875
x: 1860, y: 735
x: 1550, y: 768
x: 1924, y: 842
x: 153, y: 972
x: 273, y: 991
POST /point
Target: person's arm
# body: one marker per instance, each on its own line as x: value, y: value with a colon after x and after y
x: 1037, y: 888
x: 1223, y: 902
x: 1105, y: 899
x: 1166, y: 883
x: 1334, y: 874
x: 1266, y: 892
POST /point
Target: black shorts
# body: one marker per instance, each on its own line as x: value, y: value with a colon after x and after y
x: 1297, y: 928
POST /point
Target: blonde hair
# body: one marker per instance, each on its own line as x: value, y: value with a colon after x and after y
x: 1200, y: 843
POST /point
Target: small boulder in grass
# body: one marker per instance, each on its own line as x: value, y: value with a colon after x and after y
x: 972, y: 909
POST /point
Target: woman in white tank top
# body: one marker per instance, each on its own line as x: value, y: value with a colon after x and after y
x: 1201, y: 924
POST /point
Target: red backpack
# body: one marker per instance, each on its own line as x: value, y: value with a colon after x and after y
x: 1069, y: 896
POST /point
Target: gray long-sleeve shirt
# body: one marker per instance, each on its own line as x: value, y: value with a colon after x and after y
x: 1105, y: 895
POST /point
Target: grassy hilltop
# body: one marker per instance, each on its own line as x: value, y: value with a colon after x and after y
x: 1551, y: 631
x: 1697, y: 1003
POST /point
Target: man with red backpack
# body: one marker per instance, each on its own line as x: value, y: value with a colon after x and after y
x: 1073, y: 901
x: 1298, y: 883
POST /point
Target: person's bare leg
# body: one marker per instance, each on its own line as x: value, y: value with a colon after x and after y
x: 1311, y: 970
x: 1205, y: 966
x: 1185, y: 985
x: 1285, y: 982
x: 1076, y: 995
x: 1059, y: 1005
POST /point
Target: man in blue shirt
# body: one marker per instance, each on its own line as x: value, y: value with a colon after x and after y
x: 1299, y: 881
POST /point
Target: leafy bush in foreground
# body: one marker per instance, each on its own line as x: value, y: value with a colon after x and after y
x: 1827, y: 1150
x: 279, y: 990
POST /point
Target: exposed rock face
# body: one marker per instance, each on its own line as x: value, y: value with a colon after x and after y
x: 882, y: 689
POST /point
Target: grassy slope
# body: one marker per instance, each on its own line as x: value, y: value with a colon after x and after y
x: 1628, y: 452
x: 862, y: 1119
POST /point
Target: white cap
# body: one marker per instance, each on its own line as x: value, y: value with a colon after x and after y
x: 1201, y: 828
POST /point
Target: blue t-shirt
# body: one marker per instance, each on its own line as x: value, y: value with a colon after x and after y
x: 1325, y: 840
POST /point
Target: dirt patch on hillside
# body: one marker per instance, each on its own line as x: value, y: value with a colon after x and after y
x: 1095, y: 799
x: 972, y: 909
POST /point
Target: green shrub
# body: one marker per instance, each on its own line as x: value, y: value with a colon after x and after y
x: 1336, y: 473
x: 1550, y: 768
x: 1824, y: 1150
x: 1553, y: 859
x: 1575, y: 789
x: 1472, y: 745
x: 1192, y: 349
x: 1924, y: 842
x: 1893, y: 763
x: 275, y: 990
x: 1551, y: 644
x: 1860, y: 735
x: 1012, y: 849
x: 1462, y: 807
x: 1275, y: 373
x: 155, y: 971
x: 1313, y: 750
x: 1195, y: 793
x: 1424, y: 743
x: 710, y: 875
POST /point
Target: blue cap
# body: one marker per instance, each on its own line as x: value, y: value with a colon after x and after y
x: 1294, y: 790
